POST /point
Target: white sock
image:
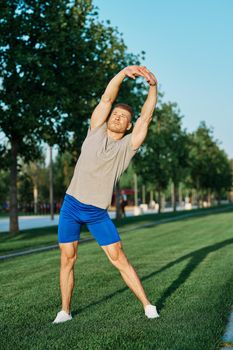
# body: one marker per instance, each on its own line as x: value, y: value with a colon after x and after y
x: 151, y: 311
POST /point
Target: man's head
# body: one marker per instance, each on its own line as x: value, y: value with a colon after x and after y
x: 119, y: 120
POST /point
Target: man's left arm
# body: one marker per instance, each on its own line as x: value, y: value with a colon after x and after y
x: 142, y: 124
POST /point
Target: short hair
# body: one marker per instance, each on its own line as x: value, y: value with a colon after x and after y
x: 126, y: 107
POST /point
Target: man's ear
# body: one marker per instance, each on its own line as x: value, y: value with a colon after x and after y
x: 129, y: 126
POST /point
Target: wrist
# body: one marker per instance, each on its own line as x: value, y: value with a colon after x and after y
x: 122, y: 73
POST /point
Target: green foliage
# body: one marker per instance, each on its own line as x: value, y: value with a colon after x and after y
x: 63, y: 170
x: 164, y: 154
x: 25, y: 185
x: 56, y: 59
x: 4, y: 186
x: 35, y: 175
x: 210, y: 167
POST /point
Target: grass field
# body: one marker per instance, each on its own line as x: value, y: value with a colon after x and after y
x: 40, y: 237
x: 186, y: 268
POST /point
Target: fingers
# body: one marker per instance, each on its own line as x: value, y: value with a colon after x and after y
x: 129, y: 71
x: 145, y: 72
x: 150, y: 78
x: 134, y: 71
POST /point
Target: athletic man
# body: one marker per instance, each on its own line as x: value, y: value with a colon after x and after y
x: 105, y: 154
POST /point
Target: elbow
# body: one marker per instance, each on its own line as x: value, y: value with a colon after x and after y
x: 106, y: 98
x: 147, y: 118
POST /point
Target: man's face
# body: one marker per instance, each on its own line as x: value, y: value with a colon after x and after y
x: 119, y: 120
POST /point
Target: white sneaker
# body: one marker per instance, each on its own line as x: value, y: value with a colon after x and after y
x: 62, y: 316
x: 151, y: 311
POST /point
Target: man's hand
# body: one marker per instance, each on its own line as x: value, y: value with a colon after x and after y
x: 133, y: 72
x: 136, y: 71
x: 149, y: 76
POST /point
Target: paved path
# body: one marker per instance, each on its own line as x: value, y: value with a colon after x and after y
x: 121, y: 230
x: 228, y: 335
x: 30, y: 221
x: 34, y: 221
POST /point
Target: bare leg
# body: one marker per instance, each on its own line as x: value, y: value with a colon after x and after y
x: 118, y: 258
x: 68, y: 258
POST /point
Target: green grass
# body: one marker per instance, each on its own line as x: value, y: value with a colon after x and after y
x: 186, y: 268
x: 40, y: 237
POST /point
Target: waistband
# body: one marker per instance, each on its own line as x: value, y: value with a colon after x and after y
x: 75, y: 201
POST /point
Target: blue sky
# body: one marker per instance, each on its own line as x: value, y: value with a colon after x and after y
x: 189, y: 47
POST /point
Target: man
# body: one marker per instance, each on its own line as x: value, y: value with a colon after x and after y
x: 124, y: 203
x: 105, y: 154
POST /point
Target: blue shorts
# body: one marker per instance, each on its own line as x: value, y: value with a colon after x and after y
x: 74, y: 214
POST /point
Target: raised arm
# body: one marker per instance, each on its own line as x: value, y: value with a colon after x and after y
x: 142, y: 124
x: 102, y: 110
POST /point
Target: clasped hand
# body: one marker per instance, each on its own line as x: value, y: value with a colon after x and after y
x: 136, y: 71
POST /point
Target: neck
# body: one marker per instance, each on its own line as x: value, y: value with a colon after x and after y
x: 115, y: 135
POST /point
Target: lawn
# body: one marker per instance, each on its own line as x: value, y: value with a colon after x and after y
x: 186, y: 268
x: 41, y: 237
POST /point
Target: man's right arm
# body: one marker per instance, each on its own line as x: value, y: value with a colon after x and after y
x: 102, y: 110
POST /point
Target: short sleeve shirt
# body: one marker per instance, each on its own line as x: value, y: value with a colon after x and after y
x: 100, y: 164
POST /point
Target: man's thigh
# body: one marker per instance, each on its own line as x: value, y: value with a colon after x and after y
x: 104, y: 232
x: 68, y: 227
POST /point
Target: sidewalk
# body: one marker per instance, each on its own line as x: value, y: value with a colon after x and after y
x: 228, y: 335
x: 35, y: 221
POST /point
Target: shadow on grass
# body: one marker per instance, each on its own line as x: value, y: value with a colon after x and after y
x: 195, y: 258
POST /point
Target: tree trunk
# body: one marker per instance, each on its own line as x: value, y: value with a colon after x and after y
x: 118, y: 203
x: 151, y: 196
x: 180, y: 197
x: 209, y: 198
x: 159, y: 199
x: 174, y: 196
x: 135, y: 190
x: 143, y: 194
x: 198, y: 199
x: 14, y: 225
x: 51, y: 183
x: 35, y: 197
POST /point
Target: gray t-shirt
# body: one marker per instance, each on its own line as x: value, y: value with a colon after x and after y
x: 100, y: 164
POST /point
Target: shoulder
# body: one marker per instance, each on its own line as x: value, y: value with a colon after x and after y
x: 94, y: 135
x: 127, y: 143
x: 101, y: 129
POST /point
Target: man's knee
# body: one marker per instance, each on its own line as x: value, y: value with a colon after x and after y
x: 68, y: 255
x: 116, y: 255
x: 68, y: 260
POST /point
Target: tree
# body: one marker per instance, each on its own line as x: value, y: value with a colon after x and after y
x: 63, y: 171
x: 178, y: 146
x: 56, y: 58
x: 210, y: 168
x: 152, y: 160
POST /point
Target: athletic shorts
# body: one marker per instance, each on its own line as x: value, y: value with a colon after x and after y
x: 74, y: 214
